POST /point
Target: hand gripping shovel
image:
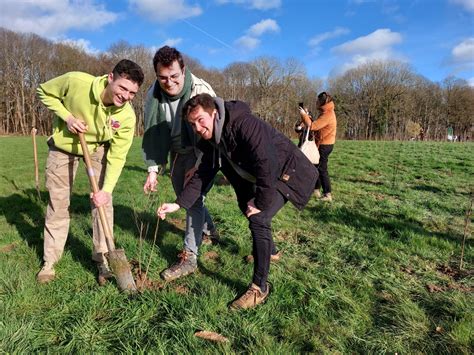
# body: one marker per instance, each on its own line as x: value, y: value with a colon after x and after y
x: 117, y: 259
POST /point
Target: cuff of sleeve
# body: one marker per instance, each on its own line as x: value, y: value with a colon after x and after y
x: 153, y: 169
x: 108, y: 188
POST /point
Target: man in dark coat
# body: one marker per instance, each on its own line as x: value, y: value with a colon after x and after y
x: 263, y: 166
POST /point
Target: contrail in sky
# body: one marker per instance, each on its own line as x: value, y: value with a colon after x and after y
x: 208, y: 34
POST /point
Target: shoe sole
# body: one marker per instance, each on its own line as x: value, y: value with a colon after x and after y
x: 173, y: 277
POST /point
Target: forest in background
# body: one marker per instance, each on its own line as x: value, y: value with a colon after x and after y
x: 384, y: 100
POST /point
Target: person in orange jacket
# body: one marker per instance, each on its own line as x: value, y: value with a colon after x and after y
x: 326, y: 126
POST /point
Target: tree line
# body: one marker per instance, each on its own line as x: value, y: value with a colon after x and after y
x: 376, y: 100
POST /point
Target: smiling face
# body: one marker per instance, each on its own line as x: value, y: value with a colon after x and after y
x: 171, y: 78
x: 202, y: 122
x: 119, y: 91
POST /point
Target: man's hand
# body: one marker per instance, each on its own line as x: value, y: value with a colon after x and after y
x: 251, y: 209
x: 167, y: 208
x: 101, y: 198
x: 189, y: 174
x: 151, y: 182
x: 75, y: 125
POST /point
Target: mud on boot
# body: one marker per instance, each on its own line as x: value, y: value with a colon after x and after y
x: 187, y: 264
x: 46, y: 274
x: 104, y: 272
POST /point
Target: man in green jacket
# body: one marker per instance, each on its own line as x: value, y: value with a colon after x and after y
x: 98, y: 107
x: 166, y: 133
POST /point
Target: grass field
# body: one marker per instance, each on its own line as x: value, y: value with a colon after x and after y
x: 376, y: 271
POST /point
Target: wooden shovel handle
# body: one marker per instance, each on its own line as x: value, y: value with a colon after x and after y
x: 95, y: 188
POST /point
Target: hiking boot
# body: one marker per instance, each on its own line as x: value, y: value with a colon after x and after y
x: 186, y: 265
x: 210, y: 239
x: 46, y: 274
x: 104, y: 272
x: 274, y: 258
x: 317, y: 193
x: 327, y: 197
x: 251, y: 298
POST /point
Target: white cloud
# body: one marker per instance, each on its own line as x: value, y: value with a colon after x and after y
x: 53, y: 18
x: 246, y: 42
x: 375, y: 46
x: 464, y: 52
x: 172, y: 42
x: 470, y: 81
x: 165, y: 10
x: 254, y: 4
x: 81, y: 43
x: 378, y: 41
x: 251, y: 39
x: 467, y: 4
x: 263, y: 26
x: 338, y: 31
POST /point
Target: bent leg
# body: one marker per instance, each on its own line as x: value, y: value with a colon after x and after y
x: 260, y: 227
x: 99, y: 163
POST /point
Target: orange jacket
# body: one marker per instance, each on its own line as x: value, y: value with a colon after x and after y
x: 326, y: 124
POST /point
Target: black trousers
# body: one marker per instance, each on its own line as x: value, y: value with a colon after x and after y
x: 260, y: 225
x: 323, y: 180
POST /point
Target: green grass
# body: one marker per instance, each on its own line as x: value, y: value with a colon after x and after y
x: 355, y: 276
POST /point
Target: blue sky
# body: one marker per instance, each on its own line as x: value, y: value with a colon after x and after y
x: 436, y: 37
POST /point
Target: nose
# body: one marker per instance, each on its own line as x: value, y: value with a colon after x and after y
x: 198, y: 128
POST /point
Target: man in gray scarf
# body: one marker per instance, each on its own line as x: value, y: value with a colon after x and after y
x: 166, y: 132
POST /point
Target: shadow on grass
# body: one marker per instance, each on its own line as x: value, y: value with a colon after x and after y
x: 395, y: 225
x: 26, y: 212
x: 428, y: 188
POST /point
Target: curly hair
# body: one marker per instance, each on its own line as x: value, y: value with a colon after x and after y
x: 166, y: 56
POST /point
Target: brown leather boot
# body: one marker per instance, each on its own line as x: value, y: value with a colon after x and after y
x: 251, y: 298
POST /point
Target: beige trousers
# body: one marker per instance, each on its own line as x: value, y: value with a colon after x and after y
x: 61, y: 170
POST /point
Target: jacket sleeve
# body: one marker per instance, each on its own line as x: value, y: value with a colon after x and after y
x: 255, y: 134
x: 321, y: 122
x: 117, y: 153
x: 51, y: 94
x: 201, y: 179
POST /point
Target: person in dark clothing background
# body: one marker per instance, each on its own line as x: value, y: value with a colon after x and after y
x: 263, y: 166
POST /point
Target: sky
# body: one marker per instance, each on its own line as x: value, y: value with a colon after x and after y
x: 435, y: 37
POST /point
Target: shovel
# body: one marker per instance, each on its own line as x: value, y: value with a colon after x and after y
x: 117, y: 259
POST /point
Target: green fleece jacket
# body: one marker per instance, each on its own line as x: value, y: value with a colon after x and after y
x: 78, y: 94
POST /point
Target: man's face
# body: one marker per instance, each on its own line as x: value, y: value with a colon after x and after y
x: 119, y: 91
x: 171, y: 78
x: 202, y: 122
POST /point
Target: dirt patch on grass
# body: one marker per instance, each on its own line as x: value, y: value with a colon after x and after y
x: 211, y: 255
x: 178, y: 222
x: 454, y: 275
x: 141, y: 278
x: 7, y: 248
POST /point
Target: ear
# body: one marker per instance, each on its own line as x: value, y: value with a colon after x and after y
x: 110, y: 77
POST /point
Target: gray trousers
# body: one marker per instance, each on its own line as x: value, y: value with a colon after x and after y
x: 198, y: 219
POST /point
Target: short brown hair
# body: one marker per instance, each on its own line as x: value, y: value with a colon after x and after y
x: 129, y: 70
x: 166, y: 56
x: 206, y: 101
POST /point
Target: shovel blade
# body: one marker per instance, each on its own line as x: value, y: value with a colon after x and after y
x: 121, y: 268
